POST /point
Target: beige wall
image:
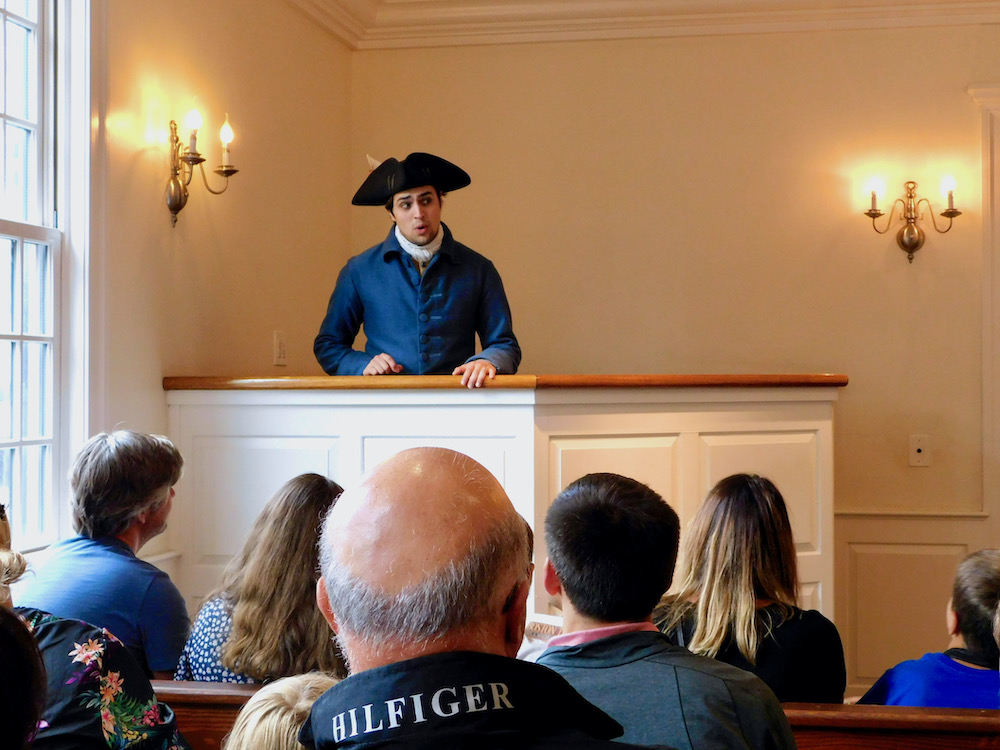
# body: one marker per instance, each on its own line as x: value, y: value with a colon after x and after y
x: 205, y: 296
x: 694, y: 205
x: 673, y: 205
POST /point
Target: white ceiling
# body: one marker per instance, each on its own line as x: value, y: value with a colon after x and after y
x: 375, y: 24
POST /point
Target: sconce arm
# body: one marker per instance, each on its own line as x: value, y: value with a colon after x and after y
x: 875, y: 214
x: 949, y: 214
x: 208, y: 187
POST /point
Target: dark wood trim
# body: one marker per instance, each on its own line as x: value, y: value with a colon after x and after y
x: 517, y: 382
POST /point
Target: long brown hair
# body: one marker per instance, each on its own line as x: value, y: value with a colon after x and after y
x: 738, y: 553
x: 270, y: 588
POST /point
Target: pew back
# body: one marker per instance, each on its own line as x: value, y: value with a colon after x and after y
x: 205, y: 711
x: 823, y: 727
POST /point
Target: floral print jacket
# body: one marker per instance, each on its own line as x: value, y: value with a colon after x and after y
x: 98, y: 695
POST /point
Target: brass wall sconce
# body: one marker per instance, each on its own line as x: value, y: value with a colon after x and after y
x: 183, y: 159
x: 910, y: 236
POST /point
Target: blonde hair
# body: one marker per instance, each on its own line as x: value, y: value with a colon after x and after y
x: 269, y: 588
x: 738, y: 553
x: 12, y: 564
x: 272, y: 718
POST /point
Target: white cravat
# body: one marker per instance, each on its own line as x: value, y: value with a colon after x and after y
x: 421, y: 254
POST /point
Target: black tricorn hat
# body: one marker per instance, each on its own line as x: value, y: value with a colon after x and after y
x: 393, y: 176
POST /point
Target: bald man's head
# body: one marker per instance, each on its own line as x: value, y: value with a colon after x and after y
x: 425, y: 545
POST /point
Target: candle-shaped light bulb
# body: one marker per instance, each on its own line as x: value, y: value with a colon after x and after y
x: 948, y: 190
x: 226, y: 136
x: 877, y: 187
x: 193, y: 122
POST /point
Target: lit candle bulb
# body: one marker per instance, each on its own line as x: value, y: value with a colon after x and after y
x: 877, y: 187
x: 193, y: 121
x: 948, y: 188
x: 226, y: 136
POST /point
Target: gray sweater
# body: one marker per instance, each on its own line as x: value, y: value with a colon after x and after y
x: 664, y: 694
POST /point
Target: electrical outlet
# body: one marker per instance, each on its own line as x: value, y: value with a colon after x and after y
x: 920, y: 450
x: 280, y: 349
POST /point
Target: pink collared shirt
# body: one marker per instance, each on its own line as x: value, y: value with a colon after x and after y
x: 586, y: 636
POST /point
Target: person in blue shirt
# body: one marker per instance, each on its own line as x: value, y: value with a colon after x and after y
x: 123, y: 490
x: 421, y: 296
x: 966, y: 675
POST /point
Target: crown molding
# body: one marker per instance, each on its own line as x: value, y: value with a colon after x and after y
x: 384, y: 24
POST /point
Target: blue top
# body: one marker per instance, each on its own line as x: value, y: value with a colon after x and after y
x: 102, y: 582
x: 938, y: 681
x: 428, y: 323
x: 202, y: 656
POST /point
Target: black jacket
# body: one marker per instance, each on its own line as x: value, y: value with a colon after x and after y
x: 458, y: 700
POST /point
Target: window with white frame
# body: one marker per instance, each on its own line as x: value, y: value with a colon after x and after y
x: 30, y: 256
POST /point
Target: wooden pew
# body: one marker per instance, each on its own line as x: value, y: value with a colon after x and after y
x: 206, y: 711
x: 820, y: 726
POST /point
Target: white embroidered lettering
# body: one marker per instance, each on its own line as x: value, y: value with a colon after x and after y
x: 354, y: 722
x: 436, y: 702
x: 368, y: 719
x: 339, y: 732
x: 418, y: 708
x: 474, y: 697
x: 395, y: 707
x: 500, y: 695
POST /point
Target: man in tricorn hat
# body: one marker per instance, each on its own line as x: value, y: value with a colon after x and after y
x: 421, y: 296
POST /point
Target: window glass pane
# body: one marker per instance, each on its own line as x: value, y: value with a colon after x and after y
x: 8, y: 364
x: 9, y: 285
x: 36, y: 492
x: 37, y: 273
x: 36, y: 387
x: 7, y: 459
x: 21, y: 68
x: 17, y: 178
x: 24, y: 8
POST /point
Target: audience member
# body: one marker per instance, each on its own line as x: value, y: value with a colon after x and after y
x: 612, y: 544
x: 738, y: 593
x: 426, y: 570
x: 122, y: 486
x: 22, y: 686
x: 964, y: 676
x: 262, y: 622
x: 273, y: 717
x: 94, y: 693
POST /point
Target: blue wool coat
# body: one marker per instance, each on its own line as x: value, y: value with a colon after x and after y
x: 428, y: 323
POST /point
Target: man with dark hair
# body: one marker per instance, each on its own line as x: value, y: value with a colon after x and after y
x: 123, y: 490
x: 426, y: 568
x: 421, y: 296
x: 612, y: 544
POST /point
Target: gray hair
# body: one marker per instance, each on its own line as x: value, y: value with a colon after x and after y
x: 117, y: 476
x: 457, y: 596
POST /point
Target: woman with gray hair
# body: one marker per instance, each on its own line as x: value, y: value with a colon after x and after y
x: 123, y: 490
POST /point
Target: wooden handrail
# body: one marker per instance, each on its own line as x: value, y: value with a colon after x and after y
x: 519, y: 382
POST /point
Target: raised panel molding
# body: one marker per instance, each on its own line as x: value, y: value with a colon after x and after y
x: 887, y: 623
x: 374, y: 24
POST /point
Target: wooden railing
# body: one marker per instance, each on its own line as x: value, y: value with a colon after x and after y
x: 206, y: 712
